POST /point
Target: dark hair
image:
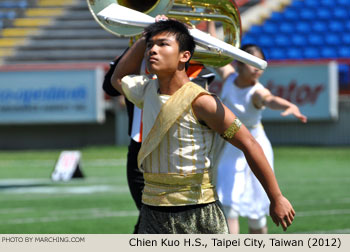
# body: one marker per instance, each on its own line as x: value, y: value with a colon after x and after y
x: 182, y: 35
x: 251, y: 48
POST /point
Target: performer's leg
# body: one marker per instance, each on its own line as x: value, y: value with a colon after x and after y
x: 135, y: 177
x: 232, y: 219
x: 258, y: 226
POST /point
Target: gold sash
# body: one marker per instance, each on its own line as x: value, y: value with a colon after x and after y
x: 177, y: 104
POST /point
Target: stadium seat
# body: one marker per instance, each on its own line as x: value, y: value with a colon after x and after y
x: 347, y: 25
x: 307, y: 14
x: 346, y: 38
x: 13, y: 4
x: 265, y: 40
x: 311, y: 53
x: 343, y: 2
x: 332, y: 39
x: 287, y: 27
x: 249, y: 39
x: 336, y: 26
x: 341, y: 13
x: 297, y: 4
x: 276, y: 16
x: 270, y: 27
x: 328, y: 52
x: 299, y: 40
x: 282, y: 40
x: 294, y: 53
x: 311, y: 3
x: 327, y: 3
x: 291, y: 14
x: 344, y: 52
x: 315, y: 39
x: 344, y: 75
x: 319, y: 26
x: 277, y: 54
x: 324, y: 13
x: 303, y: 26
x: 255, y: 29
x: 7, y: 14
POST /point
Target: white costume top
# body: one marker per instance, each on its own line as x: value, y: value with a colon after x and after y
x: 237, y: 186
x: 178, y: 170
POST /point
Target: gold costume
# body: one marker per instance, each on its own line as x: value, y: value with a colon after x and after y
x: 176, y: 154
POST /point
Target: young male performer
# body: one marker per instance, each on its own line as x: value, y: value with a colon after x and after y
x: 180, y: 122
x: 198, y: 74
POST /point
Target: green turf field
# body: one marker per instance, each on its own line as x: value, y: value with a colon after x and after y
x: 316, y: 180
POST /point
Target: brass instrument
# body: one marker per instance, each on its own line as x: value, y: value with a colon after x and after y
x: 186, y: 11
x: 209, y: 50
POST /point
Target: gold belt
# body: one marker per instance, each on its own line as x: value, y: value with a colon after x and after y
x: 178, y: 189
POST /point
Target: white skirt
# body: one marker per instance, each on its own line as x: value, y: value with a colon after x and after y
x: 237, y: 186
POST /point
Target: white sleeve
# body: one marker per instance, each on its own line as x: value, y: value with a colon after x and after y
x: 134, y: 87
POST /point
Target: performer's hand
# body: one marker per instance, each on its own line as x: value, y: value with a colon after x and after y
x: 161, y: 18
x: 282, y: 212
x: 294, y: 110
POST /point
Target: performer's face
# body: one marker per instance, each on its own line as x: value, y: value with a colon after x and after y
x: 162, y: 54
x: 251, y: 73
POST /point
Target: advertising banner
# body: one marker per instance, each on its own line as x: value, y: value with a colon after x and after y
x: 51, y: 96
x: 312, y: 87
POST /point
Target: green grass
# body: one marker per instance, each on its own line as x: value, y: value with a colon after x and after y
x: 316, y: 180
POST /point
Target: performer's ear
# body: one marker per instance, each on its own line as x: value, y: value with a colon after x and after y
x: 185, y: 56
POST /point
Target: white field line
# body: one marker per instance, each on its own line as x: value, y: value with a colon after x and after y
x: 33, y: 181
x: 326, y: 180
x: 323, y: 212
x: 98, y: 213
x: 28, y: 163
x: 16, y: 210
x: 93, y: 215
x: 66, y: 190
x: 334, y: 231
x: 321, y: 201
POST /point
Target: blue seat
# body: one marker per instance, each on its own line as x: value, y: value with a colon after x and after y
x: 332, y: 39
x: 327, y: 3
x: 7, y: 15
x: 347, y: 25
x: 302, y: 26
x: 287, y: 27
x: 312, y: 3
x: 324, y: 13
x: 307, y: 13
x: 265, y: 40
x: 344, y: 76
x: 346, y: 38
x: 276, y: 16
x: 336, y: 26
x: 298, y: 4
x: 319, y: 26
x: 266, y: 51
x: 311, y: 53
x: 256, y: 29
x: 14, y: 4
x: 291, y: 14
x: 277, y: 53
x: 282, y: 40
x: 344, y: 51
x: 294, y: 53
x: 315, y: 39
x: 249, y: 39
x: 270, y: 27
x: 341, y: 13
x: 328, y: 52
x: 299, y: 39
x: 343, y: 3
